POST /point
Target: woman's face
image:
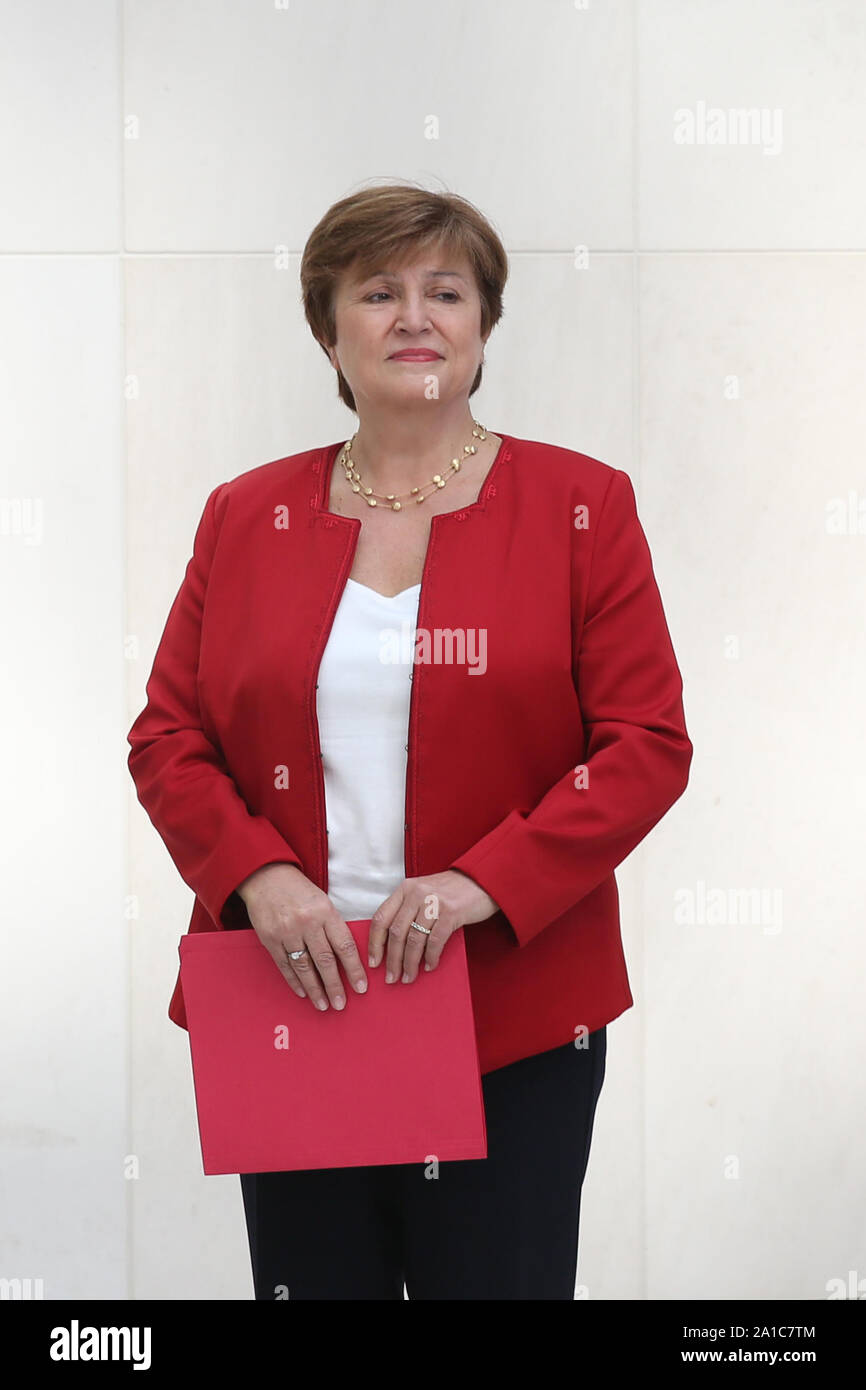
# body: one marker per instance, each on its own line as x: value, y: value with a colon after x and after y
x: 431, y: 304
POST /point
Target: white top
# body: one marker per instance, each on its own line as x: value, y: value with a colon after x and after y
x: 362, y: 705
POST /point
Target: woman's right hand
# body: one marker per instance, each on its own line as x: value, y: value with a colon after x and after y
x: 288, y: 912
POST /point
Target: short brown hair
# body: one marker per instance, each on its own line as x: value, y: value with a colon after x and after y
x: 390, y: 223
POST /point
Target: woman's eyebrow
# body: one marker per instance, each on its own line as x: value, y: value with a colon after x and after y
x: 430, y: 274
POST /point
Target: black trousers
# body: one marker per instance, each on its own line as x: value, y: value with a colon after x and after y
x: 501, y: 1227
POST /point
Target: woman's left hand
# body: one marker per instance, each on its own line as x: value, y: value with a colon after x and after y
x: 443, y: 901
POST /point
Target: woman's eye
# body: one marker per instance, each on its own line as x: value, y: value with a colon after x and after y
x: 451, y: 295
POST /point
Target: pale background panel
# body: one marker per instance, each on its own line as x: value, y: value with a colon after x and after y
x: 755, y: 1093
x: 797, y: 176
x: 64, y: 993
x: 252, y: 119
x: 60, y: 128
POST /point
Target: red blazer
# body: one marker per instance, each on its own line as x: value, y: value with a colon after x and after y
x: 536, y: 775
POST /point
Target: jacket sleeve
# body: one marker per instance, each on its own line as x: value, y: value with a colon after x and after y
x: 180, y: 776
x: 538, y: 864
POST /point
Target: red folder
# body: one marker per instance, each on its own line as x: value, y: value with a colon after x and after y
x: 393, y: 1077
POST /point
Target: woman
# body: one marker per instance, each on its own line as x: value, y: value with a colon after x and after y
x: 301, y: 781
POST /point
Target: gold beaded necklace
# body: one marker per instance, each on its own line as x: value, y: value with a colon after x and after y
x: 392, y: 501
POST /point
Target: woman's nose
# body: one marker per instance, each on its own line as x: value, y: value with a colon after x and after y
x: 413, y: 315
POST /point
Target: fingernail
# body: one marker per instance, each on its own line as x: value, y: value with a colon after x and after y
x: 321, y: 1004
x: 361, y: 986
x: 389, y: 978
x: 426, y: 966
x: 405, y: 978
x: 339, y: 1001
x: 371, y: 960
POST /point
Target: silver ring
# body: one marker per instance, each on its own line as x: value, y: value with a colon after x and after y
x: 425, y: 930
x: 296, y: 955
